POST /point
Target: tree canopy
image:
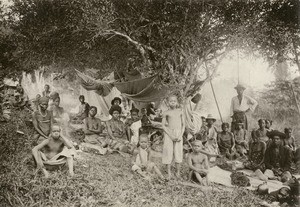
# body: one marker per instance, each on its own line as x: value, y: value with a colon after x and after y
x: 172, y: 38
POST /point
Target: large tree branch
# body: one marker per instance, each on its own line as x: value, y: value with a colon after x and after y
x: 139, y: 46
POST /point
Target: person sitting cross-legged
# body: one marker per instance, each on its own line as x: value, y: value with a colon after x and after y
x: 142, y: 157
x: 226, y: 142
x: 278, y: 158
x: 198, y: 163
x: 54, y: 151
x: 240, y: 136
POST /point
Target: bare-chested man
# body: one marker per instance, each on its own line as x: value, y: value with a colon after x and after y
x: 198, y: 163
x: 42, y: 120
x: 173, y: 126
x: 56, y: 151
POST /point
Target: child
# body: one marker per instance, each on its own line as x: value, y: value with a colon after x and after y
x: 133, y: 124
x: 142, y: 155
x: 198, y: 163
x: 226, y: 142
x: 240, y: 139
x: 173, y: 126
x: 54, y: 151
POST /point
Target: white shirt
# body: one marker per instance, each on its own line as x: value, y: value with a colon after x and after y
x: 135, y: 126
x: 246, y: 103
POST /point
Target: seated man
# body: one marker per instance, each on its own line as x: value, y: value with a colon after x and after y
x: 198, y: 163
x: 278, y: 158
x: 54, y: 151
x: 42, y: 120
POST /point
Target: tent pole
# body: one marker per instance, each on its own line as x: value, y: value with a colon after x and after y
x: 294, y: 95
x: 212, y: 88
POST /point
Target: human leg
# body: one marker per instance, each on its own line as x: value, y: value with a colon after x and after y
x: 199, y: 178
x: 151, y: 166
x: 167, y: 155
x: 178, y: 156
x: 70, y: 166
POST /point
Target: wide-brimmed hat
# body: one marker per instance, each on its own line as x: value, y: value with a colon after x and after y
x: 116, y: 99
x: 210, y: 116
x: 240, y: 86
x: 272, y: 134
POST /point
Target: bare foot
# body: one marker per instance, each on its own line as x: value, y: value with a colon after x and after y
x: 46, y: 173
x: 71, y: 174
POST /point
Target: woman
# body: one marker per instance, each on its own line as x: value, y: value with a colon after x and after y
x: 116, y: 129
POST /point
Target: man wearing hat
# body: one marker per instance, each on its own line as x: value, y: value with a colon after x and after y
x: 212, y: 131
x: 240, y: 105
x: 278, y: 158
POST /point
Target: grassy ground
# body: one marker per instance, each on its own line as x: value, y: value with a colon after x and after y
x: 106, y: 181
x: 99, y: 180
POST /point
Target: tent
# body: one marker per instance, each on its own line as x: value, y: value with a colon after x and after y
x: 145, y: 90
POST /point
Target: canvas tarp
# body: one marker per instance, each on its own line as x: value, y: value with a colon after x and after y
x: 149, y: 89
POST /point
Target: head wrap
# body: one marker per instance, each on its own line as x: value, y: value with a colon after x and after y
x: 115, y: 108
x: 43, y: 99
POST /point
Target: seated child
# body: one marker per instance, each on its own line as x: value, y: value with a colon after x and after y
x: 145, y: 119
x: 142, y: 155
x: 240, y: 135
x: 54, y: 151
x: 226, y: 142
x: 198, y: 163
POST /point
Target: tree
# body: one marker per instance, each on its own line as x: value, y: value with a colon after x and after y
x: 172, y: 38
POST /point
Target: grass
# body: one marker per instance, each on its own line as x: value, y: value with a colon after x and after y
x: 99, y: 180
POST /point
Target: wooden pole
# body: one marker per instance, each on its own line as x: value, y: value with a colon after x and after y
x: 213, y: 90
x: 295, y: 97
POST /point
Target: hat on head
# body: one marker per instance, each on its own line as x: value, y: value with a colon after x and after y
x: 272, y: 134
x: 210, y: 116
x: 43, y: 99
x: 115, y: 108
x: 240, y: 86
x: 116, y: 99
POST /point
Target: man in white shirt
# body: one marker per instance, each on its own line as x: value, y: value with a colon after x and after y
x: 240, y: 106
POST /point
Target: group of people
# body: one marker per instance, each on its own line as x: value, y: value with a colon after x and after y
x: 266, y: 150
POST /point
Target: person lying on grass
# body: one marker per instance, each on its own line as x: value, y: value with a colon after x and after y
x: 54, y: 151
x: 141, y: 156
x: 198, y: 163
x: 42, y: 120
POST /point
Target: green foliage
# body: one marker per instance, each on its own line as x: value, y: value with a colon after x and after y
x: 173, y: 38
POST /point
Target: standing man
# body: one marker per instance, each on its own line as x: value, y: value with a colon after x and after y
x: 240, y: 106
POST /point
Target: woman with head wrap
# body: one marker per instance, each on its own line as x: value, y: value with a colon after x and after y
x: 42, y: 120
